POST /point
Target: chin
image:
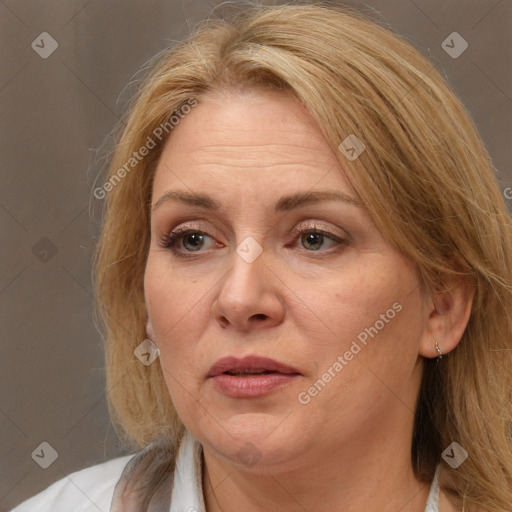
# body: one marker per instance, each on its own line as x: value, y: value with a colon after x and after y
x: 256, y: 440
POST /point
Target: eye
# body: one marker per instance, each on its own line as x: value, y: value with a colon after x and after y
x: 183, y: 240
x: 193, y: 241
x: 313, y: 238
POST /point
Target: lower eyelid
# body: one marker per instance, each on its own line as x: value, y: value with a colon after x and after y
x: 336, y: 243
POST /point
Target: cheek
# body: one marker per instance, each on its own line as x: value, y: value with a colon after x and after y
x: 170, y: 305
x: 341, y: 307
x: 172, y: 298
x: 372, y: 317
x: 382, y: 323
x: 173, y: 304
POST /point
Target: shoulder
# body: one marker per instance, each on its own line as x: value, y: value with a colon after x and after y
x: 90, y: 489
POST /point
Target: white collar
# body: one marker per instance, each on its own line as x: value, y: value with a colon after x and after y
x: 187, y: 495
x: 433, y: 496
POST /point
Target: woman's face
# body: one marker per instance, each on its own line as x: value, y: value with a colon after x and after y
x: 261, y: 249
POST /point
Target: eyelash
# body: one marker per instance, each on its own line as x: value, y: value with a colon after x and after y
x: 169, y: 240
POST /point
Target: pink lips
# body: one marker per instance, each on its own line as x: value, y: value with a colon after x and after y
x: 251, y: 376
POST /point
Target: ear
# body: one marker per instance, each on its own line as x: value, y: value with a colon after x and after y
x: 448, y: 315
x: 149, y: 330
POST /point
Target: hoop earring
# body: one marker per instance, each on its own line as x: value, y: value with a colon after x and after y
x: 440, y: 354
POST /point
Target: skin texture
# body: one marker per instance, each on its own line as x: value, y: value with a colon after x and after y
x: 348, y: 448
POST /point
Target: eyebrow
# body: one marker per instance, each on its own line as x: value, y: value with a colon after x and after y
x: 284, y: 204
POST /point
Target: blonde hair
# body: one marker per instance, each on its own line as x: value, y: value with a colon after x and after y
x: 425, y: 178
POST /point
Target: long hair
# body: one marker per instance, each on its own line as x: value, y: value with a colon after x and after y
x: 425, y: 179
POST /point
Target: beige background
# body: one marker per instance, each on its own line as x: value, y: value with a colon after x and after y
x: 55, y: 114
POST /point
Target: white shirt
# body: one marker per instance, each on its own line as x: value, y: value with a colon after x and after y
x: 91, y: 489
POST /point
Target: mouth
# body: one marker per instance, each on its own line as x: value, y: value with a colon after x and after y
x: 247, y: 373
x: 249, y: 366
x: 250, y: 377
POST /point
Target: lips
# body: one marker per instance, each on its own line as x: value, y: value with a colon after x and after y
x: 249, y: 366
x: 250, y: 377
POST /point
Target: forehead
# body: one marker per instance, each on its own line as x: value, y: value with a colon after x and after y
x: 253, y: 138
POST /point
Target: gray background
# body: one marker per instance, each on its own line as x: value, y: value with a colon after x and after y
x: 55, y: 115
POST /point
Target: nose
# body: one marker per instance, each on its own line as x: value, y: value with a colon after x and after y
x: 248, y: 296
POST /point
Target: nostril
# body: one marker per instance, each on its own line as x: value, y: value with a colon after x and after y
x: 259, y: 316
x: 224, y: 321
